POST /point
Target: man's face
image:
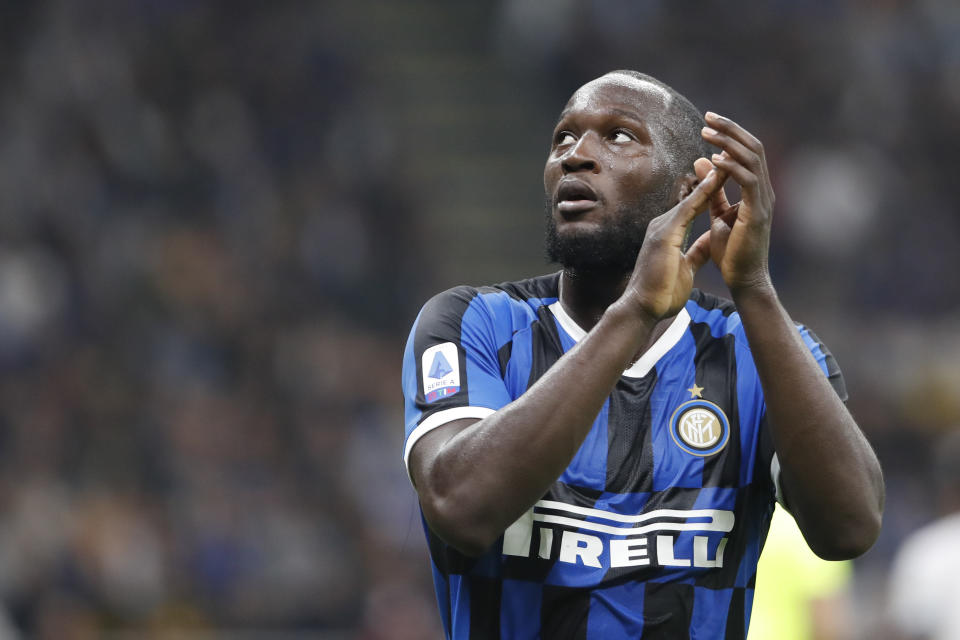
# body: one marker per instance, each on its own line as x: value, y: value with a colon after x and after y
x: 607, y: 174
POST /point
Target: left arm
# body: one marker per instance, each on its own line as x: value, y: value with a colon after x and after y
x: 830, y: 476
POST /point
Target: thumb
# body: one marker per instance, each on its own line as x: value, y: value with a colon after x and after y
x: 718, y: 199
x: 702, y: 166
x: 697, y: 200
x: 699, y: 252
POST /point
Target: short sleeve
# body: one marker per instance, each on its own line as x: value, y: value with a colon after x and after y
x: 451, y: 365
x: 828, y: 364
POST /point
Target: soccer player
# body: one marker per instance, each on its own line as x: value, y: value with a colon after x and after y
x: 597, y: 451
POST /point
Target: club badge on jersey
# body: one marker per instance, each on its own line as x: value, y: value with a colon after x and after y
x: 698, y: 426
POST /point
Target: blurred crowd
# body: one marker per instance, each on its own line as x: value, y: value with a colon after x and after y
x: 217, y: 225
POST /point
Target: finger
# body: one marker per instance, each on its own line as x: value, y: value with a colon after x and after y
x: 699, y: 252
x: 748, y: 180
x: 734, y: 148
x: 718, y: 201
x: 696, y: 201
x: 701, y: 167
x: 729, y: 216
x: 734, y: 130
x: 723, y: 225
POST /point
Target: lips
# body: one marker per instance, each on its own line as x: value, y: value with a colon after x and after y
x: 574, y: 196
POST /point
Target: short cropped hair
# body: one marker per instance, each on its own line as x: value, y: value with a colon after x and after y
x: 681, y: 126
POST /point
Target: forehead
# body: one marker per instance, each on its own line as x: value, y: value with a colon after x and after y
x: 618, y: 92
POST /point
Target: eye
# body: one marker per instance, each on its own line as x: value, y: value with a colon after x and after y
x: 621, y: 137
x: 564, y: 138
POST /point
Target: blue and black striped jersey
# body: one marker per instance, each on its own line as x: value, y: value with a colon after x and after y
x: 655, y: 528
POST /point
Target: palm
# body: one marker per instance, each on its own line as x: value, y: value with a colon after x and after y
x: 663, y: 276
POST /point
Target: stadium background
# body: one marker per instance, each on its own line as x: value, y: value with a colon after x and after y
x: 218, y: 220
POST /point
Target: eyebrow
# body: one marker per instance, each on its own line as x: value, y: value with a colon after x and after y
x: 624, y: 113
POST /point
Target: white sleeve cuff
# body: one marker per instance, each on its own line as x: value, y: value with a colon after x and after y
x: 439, y: 419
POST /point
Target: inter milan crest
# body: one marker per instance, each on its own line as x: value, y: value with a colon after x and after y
x: 699, y: 427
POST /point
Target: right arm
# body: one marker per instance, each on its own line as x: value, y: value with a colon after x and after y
x: 475, y: 477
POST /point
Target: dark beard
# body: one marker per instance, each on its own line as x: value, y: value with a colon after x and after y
x: 613, y: 247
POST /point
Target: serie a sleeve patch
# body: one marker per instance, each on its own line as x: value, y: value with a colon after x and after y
x: 440, y: 365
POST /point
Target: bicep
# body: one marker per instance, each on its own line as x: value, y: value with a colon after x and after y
x: 827, y: 364
x: 451, y: 369
x: 426, y: 450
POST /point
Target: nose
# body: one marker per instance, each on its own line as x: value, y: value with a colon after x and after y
x: 580, y: 157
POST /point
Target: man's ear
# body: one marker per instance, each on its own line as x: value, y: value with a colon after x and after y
x: 685, y: 185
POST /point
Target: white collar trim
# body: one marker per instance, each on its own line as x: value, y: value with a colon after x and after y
x: 650, y: 357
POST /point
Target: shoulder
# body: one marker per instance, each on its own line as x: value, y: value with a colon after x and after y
x: 715, y: 318
x: 528, y: 294
x: 538, y: 289
x: 453, y: 299
x: 710, y: 302
x: 723, y: 318
x: 717, y: 313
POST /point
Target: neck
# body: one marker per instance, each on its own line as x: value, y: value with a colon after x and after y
x: 585, y: 295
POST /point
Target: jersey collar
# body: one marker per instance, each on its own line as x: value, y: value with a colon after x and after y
x: 650, y: 357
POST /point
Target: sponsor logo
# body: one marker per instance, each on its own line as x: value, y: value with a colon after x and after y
x: 700, y: 427
x: 562, y: 532
x: 441, y: 366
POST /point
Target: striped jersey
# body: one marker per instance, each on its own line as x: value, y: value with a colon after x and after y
x: 655, y: 528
